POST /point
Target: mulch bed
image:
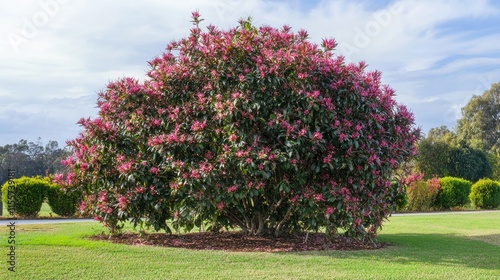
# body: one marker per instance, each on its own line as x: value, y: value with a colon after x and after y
x: 240, y: 242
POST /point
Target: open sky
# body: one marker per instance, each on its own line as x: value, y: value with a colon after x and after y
x: 55, y: 55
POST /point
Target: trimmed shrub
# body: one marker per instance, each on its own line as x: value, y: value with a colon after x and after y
x: 421, y: 193
x: 485, y: 194
x: 255, y: 128
x: 62, y: 202
x: 29, y: 194
x: 454, y: 192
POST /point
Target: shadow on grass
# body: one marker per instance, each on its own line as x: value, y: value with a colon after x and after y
x: 434, y: 249
x: 493, y: 239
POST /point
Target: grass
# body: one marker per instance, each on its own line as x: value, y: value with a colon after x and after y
x: 449, y: 246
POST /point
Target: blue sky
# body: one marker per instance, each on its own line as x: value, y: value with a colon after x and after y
x: 55, y: 55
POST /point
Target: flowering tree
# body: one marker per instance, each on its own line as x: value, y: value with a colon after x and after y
x: 255, y: 128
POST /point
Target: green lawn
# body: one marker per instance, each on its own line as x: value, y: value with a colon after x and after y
x: 450, y: 246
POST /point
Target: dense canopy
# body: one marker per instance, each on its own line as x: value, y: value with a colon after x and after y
x: 253, y: 127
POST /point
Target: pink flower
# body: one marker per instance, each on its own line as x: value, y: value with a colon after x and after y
x: 174, y: 186
x: 197, y: 125
x: 122, y: 202
x: 83, y: 206
x: 155, y: 122
x: 67, y: 161
x: 233, y: 138
x: 154, y: 170
x: 318, y: 197
x: 102, y: 196
x: 83, y: 166
x: 329, y: 210
x: 232, y: 189
x: 58, y: 178
x: 140, y: 189
x: 69, y: 178
x: 195, y: 174
x: 317, y: 136
x: 329, y: 44
x: 125, y: 167
x: 220, y: 206
x: 156, y: 140
x: 327, y: 159
x: 342, y: 137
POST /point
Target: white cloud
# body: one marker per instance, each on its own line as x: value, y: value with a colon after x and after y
x: 52, y: 72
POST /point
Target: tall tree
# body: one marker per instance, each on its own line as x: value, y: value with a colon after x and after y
x: 433, y: 155
x: 480, y: 124
x: 442, y: 154
x: 469, y: 163
x: 31, y: 158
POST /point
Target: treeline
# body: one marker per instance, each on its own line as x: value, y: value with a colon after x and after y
x: 471, y: 150
x: 31, y: 158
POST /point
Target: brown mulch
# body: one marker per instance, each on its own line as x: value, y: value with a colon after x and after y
x: 240, y: 242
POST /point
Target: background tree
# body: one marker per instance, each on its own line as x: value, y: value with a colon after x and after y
x: 480, y: 126
x: 441, y: 154
x: 469, y: 163
x: 480, y: 123
x: 31, y: 158
x: 433, y: 157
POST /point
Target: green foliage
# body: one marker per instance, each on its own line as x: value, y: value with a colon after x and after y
x: 421, y: 193
x: 433, y: 157
x: 62, y: 202
x: 29, y: 194
x: 485, y: 194
x: 494, y: 160
x: 31, y: 158
x: 480, y: 124
x: 440, y: 155
x: 468, y: 163
x: 454, y: 192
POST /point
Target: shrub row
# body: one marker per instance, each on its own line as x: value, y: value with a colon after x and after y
x: 447, y: 193
x: 453, y: 192
x: 485, y: 194
x: 31, y: 192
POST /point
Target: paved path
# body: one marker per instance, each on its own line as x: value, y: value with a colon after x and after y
x: 60, y: 221
x: 45, y: 221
